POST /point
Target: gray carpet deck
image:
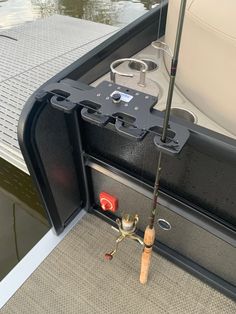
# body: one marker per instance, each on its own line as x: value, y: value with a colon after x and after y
x: 74, y: 278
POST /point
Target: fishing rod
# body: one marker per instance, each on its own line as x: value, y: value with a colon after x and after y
x: 149, y: 235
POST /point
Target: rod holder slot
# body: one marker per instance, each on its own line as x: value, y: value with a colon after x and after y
x: 133, y: 115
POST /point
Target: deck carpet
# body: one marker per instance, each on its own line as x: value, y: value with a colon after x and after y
x: 74, y: 278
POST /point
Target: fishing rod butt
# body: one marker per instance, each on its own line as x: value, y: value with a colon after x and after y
x: 149, y: 238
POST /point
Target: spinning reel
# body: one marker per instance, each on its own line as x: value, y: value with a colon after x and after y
x: 127, y: 227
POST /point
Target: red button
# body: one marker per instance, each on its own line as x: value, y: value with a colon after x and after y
x: 108, y: 202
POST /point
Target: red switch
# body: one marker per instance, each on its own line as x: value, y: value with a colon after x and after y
x: 108, y: 202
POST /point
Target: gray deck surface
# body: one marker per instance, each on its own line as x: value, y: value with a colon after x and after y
x: 74, y: 278
x: 43, y: 48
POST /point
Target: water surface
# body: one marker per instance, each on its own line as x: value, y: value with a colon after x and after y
x: 22, y: 218
x: 112, y: 12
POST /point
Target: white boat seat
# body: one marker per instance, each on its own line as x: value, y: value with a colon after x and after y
x: 207, y: 63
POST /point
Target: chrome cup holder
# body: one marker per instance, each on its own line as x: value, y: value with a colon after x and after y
x: 183, y: 114
x: 135, y: 77
x: 143, y: 69
x: 151, y: 65
x: 162, y: 48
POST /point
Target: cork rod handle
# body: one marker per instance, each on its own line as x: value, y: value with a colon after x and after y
x: 149, y: 238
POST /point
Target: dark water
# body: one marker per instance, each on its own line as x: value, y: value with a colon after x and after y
x: 22, y: 218
x: 112, y: 12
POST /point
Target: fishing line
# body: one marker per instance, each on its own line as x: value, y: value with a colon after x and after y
x: 160, y: 19
x: 158, y: 37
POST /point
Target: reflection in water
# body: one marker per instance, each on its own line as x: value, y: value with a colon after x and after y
x: 93, y: 10
x: 46, y: 8
x: 150, y: 4
x: 112, y: 12
x: 22, y: 218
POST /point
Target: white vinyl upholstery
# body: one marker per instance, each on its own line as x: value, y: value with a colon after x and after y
x: 207, y: 62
